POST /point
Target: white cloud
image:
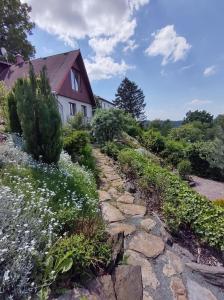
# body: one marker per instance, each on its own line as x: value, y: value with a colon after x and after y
x: 131, y: 45
x: 169, y: 45
x: 198, y: 102
x: 210, y: 71
x: 104, y: 23
x: 104, y: 67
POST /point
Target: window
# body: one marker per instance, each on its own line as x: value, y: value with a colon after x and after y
x: 75, y: 80
x: 72, y: 108
x: 84, y: 110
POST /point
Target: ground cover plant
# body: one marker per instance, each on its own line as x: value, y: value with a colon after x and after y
x: 49, y: 217
x: 181, y: 206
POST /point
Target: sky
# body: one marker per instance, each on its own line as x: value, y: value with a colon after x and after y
x: 173, y: 49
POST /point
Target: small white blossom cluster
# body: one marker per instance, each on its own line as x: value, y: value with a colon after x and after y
x: 28, y: 223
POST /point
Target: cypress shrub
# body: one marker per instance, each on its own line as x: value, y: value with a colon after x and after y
x: 39, y: 116
x: 14, y: 122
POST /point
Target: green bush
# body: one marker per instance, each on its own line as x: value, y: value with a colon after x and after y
x: 174, y: 152
x: 4, y: 117
x: 182, y: 207
x: 184, y: 168
x: 107, y: 125
x: 188, y: 133
x: 112, y: 149
x: 131, y: 126
x: 153, y: 141
x: 39, y: 117
x: 219, y: 202
x: 14, y: 122
x: 75, y: 142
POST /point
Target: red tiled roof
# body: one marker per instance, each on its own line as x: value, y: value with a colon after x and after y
x: 57, y: 68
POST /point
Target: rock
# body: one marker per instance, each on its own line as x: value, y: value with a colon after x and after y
x: 118, y: 183
x: 104, y: 196
x: 79, y: 293
x: 198, y: 292
x: 126, y: 198
x: 130, y: 187
x: 146, y: 296
x: 174, y: 265
x: 167, y: 238
x: 178, y: 289
x: 212, y: 274
x: 103, y: 287
x: 121, y: 227
x: 183, y: 252
x: 111, y: 176
x: 111, y: 213
x: 147, y: 244
x: 132, y: 209
x: 128, y: 283
x: 114, y: 193
x: 149, y: 279
x: 116, y: 242
x: 148, y: 224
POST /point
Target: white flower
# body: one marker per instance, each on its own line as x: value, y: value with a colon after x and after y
x: 6, y: 275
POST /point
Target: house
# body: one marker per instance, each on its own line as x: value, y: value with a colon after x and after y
x: 67, y: 76
x: 103, y: 103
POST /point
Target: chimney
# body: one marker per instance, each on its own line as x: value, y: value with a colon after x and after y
x: 19, y: 59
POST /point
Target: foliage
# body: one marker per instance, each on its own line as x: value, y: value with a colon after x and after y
x: 75, y: 142
x: 39, y: 117
x: 15, y: 25
x: 202, y: 116
x: 77, y: 122
x: 3, y: 104
x: 219, y: 202
x: 182, y: 207
x: 107, y: 124
x: 112, y: 149
x: 153, y: 141
x: 174, y: 152
x: 163, y: 127
x: 184, y: 168
x: 40, y: 204
x: 131, y: 126
x: 188, y: 133
x: 130, y: 98
x: 14, y: 122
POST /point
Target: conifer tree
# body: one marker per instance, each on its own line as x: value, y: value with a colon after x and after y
x: 39, y: 117
x: 14, y: 123
x: 130, y: 98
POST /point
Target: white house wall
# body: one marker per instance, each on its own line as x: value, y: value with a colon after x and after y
x: 64, y: 108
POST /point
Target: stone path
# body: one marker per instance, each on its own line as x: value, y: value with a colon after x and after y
x: 147, y: 245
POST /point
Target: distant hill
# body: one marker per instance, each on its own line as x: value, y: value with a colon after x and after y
x: 174, y: 124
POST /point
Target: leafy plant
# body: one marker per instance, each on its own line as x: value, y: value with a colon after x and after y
x: 14, y: 122
x: 153, y: 141
x: 184, y: 168
x: 219, y: 202
x: 182, y: 207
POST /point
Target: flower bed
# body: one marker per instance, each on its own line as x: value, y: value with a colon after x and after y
x: 182, y: 207
x: 44, y: 208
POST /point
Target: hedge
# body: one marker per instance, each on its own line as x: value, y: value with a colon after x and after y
x: 182, y: 207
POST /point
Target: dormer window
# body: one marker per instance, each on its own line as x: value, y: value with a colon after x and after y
x: 75, y: 80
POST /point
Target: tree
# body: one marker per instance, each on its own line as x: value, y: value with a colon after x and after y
x: 39, y: 117
x: 163, y: 127
x: 130, y: 98
x: 15, y: 25
x: 202, y: 116
x: 14, y: 122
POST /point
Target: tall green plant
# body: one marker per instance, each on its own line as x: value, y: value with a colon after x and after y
x: 39, y: 116
x: 14, y: 122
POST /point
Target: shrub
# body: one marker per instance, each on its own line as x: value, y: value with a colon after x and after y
x: 75, y: 143
x: 184, y: 168
x: 107, y: 125
x: 14, y: 122
x: 219, y: 202
x: 188, y: 133
x: 39, y: 117
x: 131, y: 126
x: 153, y: 141
x: 174, y: 152
x: 3, y: 105
x: 182, y: 207
x: 77, y: 122
x: 112, y: 149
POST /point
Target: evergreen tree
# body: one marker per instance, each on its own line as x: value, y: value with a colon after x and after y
x: 130, y: 98
x: 15, y: 25
x: 39, y: 117
x: 14, y: 123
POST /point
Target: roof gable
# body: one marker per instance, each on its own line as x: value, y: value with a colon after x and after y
x: 58, y: 66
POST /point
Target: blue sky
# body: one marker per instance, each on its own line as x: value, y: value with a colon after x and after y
x: 173, y: 49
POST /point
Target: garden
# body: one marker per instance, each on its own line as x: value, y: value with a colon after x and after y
x: 52, y: 235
